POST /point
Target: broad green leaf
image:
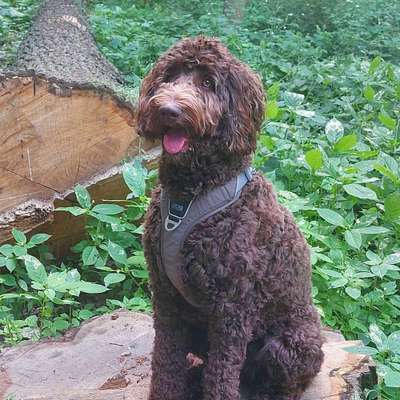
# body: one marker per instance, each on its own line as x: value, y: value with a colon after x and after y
x: 339, y: 283
x: 3, y: 261
x: 20, y: 250
x: 388, y: 121
x: 380, y: 270
x: 39, y: 238
x: 137, y: 259
x: 90, y: 255
x: 369, y: 93
x: 392, y: 206
x: 23, y: 285
x: 373, y: 257
x: 50, y: 294
x: 293, y: 99
x: 389, y: 162
x: 109, y: 279
x: 83, y: 196
x: 108, y: 219
x: 314, y: 159
x: 91, y: 288
x: 366, y: 350
x: 354, y: 293
x: 60, y: 324
x: 62, y: 281
x: 372, y: 230
x: 334, y: 130
x: 7, y: 250
x: 135, y: 177
x: 359, y: 191
x: 9, y: 296
x: 85, y: 314
x: 101, y: 262
x: 272, y: 109
x: 37, y: 286
x: 378, y: 337
x: 32, y: 320
x: 353, y: 239
x: 19, y: 236
x: 35, y: 269
x: 140, y: 273
x: 346, y: 143
x: 392, y: 378
x: 76, y: 211
x: 392, y: 258
x: 117, y: 253
x: 305, y: 113
x: 108, y: 209
x: 8, y: 280
x: 11, y: 264
x: 139, y: 230
x: 375, y: 63
x: 332, y: 272
x: 331, y: 216
x: 384, y: 170
x: 393, y: 342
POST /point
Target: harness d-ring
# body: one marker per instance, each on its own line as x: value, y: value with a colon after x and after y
x: 177, y: 211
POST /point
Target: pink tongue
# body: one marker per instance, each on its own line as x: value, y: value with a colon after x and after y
x: 174, y: 142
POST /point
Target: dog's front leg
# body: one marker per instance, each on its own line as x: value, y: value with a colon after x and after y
x: 228, y: 342
x: 170, y: 374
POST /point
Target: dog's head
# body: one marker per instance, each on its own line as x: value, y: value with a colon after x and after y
x: 199, y: 94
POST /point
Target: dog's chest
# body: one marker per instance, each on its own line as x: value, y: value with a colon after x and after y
x: 179, y: 219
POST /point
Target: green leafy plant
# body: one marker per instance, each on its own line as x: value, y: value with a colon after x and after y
x: 386, y: 351
x: 40, y: 297
x: 330, y: 144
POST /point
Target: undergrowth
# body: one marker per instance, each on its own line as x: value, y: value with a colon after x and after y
x: 330, y: 145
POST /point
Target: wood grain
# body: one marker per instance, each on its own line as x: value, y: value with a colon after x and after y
x: 109, y: 358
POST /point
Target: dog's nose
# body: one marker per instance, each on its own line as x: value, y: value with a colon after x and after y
x: 170, y: 111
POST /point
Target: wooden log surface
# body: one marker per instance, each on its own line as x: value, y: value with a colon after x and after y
x: 65, y: 118
x: 109, y: 358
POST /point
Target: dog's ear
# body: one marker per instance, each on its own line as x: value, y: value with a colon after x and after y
x: 244, y: 96
x: 149, y: 85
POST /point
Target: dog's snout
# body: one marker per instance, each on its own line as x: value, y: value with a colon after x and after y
x: 170, y: 111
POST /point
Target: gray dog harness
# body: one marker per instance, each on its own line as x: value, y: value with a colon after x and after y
x: 179, y: 218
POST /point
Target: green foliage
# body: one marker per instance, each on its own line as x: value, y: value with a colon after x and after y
x: 40, y: 296
x: 15, y: 18
x: 330, y: 145
x: 386, y: 352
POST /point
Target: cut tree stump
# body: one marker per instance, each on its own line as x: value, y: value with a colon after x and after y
x: 65, y: 118
x: 108, y: 358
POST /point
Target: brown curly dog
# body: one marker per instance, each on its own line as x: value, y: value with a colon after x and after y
x: 235, y: 313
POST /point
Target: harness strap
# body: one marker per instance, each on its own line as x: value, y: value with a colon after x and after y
x: 179, y: 218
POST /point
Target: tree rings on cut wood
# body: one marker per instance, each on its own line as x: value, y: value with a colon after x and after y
x: 65, y: 118
x: 109, y: 358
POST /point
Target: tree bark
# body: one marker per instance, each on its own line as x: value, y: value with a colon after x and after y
x: 60, y: 47
x: 65, y: 117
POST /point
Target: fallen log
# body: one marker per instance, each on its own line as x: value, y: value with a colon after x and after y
x: 65, y: 118
x: 109, y: 357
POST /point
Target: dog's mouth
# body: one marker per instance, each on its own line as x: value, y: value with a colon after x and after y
x: 175, y: 141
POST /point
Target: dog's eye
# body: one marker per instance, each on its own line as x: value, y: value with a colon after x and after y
x: 208, y: 83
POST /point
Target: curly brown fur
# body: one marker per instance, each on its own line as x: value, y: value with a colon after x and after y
x: 247, y: 266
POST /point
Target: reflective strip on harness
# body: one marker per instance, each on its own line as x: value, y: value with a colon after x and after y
x: 179, y: 218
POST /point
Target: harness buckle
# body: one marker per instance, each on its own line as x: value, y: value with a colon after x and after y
x: 177, y: 211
